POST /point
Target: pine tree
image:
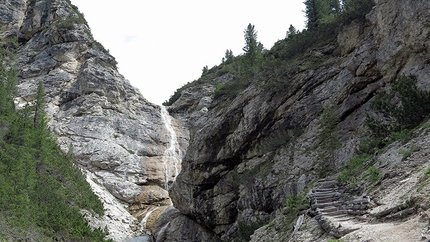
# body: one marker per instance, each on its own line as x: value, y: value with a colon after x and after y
x: 8, y: 89
x: 334, y: 6
x: 356, y: 5
x: 321, y: 11
x: 252, y: 47
x: 291, y: 31
x: 311, y: 13
x: 205, y: 70
x: 228, y: 57
x: 40, y: 119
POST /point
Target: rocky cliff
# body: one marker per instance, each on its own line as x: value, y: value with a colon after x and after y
x: 250, y: 155
x: 256, y: 164
x: 118, y: 138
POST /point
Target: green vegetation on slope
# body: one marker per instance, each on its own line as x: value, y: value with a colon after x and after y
x: 41, y: 191
x: 394, y: 115
x: 272, y: 67
x: 414, y: 107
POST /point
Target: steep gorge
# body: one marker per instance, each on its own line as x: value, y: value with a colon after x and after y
x: 245, y: 157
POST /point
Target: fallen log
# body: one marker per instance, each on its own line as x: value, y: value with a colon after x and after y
x: 402, y: 214
x: 392, y: 210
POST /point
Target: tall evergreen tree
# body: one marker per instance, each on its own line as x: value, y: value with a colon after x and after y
x: 228, y: 57
x: 8, y: 78
x: 40, y: 119
x: 205, y: 70
x: 291, y: 31
x: 334, y: 6
x: 311, y: 13
x: 252, y: 47
x: 320, y: 11
x: 356, y: 5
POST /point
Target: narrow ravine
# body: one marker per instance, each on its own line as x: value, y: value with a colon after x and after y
x: 154, y: 221
x: 172, y: 156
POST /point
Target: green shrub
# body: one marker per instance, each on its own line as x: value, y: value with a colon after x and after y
x: 246, y: 229
x: 427, y: 173
x: 177, y: 94
x: 335, y: 240
x: 370, y: 145
x: 354, y: 167
x: 327, y: 125
x: 408, y: 152
x: 232, y: 88
x: 293, y: 202
x: 291, y: 210
x: 393, y: 118
x: 70, y: 23
x: 373, y: 173
x: 324, y: 170
x: 392, y: 121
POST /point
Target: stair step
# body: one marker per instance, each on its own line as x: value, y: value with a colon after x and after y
x: 324, y: 184
x: 365, y: 200
x: 325, y: 193
x: 323, y: 190
x: 335, y: 213
x: 340, y: 219
x: 323, y: 205
x: 359, y: 212
x: 328, y: 209
x: 325, y: 200
x: 326, y: 196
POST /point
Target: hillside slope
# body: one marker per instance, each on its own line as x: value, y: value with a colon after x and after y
x: 253, y: 157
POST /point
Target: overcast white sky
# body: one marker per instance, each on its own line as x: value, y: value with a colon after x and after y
x: 161, y: 45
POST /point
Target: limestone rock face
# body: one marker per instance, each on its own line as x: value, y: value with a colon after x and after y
x: 248, y: 155
x: 13, y: 14
x: 114, y: 133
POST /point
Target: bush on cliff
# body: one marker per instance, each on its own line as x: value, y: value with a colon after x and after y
x: 400, y: 109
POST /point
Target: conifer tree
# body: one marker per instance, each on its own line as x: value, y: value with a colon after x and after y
x: 205, y: 70
x: 251, y: 45
x: 228, y: 57
x: 320, y: 11
x: 356, y: 5
x: 8, y: 77
x: 311, y: 14
x: 291, y: 31
x: 40, y: 119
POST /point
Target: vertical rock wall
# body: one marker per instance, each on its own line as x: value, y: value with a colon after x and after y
x: 116, y: 134
x: 248, y: 155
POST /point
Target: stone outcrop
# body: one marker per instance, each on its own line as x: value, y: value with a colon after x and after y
x: 114, y: 133
x: 249, y: 154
